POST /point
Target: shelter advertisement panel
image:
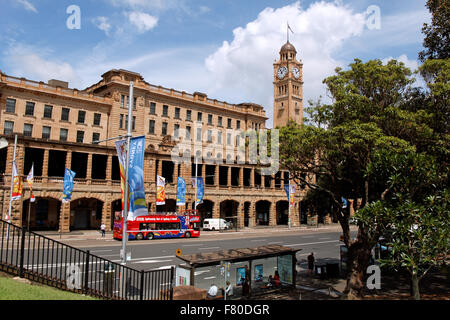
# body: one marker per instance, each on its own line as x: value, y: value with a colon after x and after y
x: 284, y: 267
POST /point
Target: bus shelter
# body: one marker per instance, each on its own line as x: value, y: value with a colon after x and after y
x: 285, y: 261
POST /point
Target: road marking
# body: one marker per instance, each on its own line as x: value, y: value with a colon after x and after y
x: 152, y: 261
x: 101, y: 251
x: 276, y: 242
x: 306, y: 244
x: 324, y: 238
x: 208, y: 248
x: 200, y: 272
x: 257, y: 240
x: 209, y: 278
x: 192, y: 245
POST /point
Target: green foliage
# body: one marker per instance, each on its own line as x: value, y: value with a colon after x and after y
x: 437, y: 42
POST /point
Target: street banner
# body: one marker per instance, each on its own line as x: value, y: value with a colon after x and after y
x: 200, y: 189
x: 160, y: 190
x: 69, y: 175
x: 181, y: 192
x: 344, y: 201
x: 30, y: 179
x: 290, y: 193
x: 138, y: 205
x: 17, y: 183
x: 122, y: 156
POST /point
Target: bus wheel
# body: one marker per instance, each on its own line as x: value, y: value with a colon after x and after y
x: 150, y: 236
x: 187, y: 235
x: 139, y: 236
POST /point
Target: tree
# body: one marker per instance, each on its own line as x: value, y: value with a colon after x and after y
x: 413, y: 216
x: 334, y: 154
x: 437, y: 41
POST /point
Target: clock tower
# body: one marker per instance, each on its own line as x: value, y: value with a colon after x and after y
x: 287, y: 87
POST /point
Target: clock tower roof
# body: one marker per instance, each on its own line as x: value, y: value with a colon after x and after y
x: 288, y: 47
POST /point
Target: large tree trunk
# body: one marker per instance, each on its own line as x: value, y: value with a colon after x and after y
x: 358, y: 260
x: 415, y: 286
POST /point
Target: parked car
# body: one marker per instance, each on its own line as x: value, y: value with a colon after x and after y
x: 216, y: 224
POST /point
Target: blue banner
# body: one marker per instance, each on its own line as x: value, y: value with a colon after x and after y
x: 181, y: 192
x: 344, y: 201
x: 138, y: 205
x: 69, y: 175
x: 200, y: 190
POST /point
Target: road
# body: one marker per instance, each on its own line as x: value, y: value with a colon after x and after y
x: 160, y: 254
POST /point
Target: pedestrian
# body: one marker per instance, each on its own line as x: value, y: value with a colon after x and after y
x: 310, y: 263
x: 276, y: 279
x: 229, y: 289
x: 212, y: 292
x: 103, y: 227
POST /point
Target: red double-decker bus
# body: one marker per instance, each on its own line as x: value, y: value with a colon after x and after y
x: 160, y: 226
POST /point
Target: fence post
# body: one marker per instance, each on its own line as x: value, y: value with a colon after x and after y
x: 142, y: 285
x: 86, y: 273
x: 172, y: 275
x: 22, y: 252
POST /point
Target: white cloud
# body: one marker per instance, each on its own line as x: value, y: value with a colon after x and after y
x: 33, y: 63
x: 27, y: 5
x: 413, y: 65
x: 243, y: 68
x: 143, y: 21
x: 103, y: 24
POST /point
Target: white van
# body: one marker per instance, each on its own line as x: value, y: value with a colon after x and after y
x: 215, y: 224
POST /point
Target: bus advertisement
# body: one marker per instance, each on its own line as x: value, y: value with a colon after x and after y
x: 160, y: 226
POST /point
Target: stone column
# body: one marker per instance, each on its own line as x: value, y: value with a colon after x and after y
x: 89, y: 169
x: 252, y: 215
x: 107, y: 213
x: 216, y: 176
x: 241, y: 177
x: 108, y: 170
x: 69, y: 160
x: 240, y: 214
x: 252, y: 178
x: 273, y: 214
x: 229, y: 176
x: 64, y: 220
x: 216, y: 210
x: 45, y: 167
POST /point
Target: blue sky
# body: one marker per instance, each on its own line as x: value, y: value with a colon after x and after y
x: 223, y: 48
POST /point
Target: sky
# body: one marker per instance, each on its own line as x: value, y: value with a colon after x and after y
x: 224, y: 48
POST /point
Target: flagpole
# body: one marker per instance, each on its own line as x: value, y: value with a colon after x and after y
x: 289, y: 214
x: 12, y: 178
x: 29, y: 201
x: 125, y: 209
x: 196, y: 183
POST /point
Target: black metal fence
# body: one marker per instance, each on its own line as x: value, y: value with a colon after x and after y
x: 38, y: 258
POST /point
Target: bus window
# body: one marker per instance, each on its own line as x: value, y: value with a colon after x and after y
x: 195, y: 226
x: 143, y: 226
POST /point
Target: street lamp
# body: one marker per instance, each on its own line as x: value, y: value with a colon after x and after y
x: 126, y: 189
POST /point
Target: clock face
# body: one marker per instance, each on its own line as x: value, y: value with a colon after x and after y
x: 296, y: 73
x: 282, y: 72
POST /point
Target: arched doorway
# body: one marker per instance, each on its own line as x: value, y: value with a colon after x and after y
x: 246, y: 213
x: 228, y: 211
x: 282, y: 210
x: 170, y: 206
x: 262, y: 209
x: 116, y: 211
x: 85, y: 214
x: 205, y: 210
x: 44, y: 214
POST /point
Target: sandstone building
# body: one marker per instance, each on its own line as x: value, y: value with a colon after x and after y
x: 56, y: 126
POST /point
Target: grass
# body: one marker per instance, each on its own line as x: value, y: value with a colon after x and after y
x: 12, y: 289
